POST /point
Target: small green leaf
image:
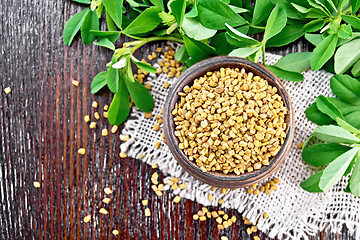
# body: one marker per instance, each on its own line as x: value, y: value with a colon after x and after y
x: 140, y: 95
x: 240, y: 36
x: 178, y: 9
x: 356, y: 69
x: 104, y: 42
x: 335, y: 134
x: 323, y: 52
x: 144, y: 66
x: 314, y: 25
x: 314, y: 39
x: 159, y: 4
x: 91, y: 22
x: 112, y: 79
x: 301, y: 9
x: 82, y: 1
x: 197, y: 50
x: 348, y: 127
x: 288, y: 34
x: 261, y: 11
x: 345, y: 31
x: 347, y: 55
x: 285, y: 74
x: 73, y: 25
x: 145, y: 22
x: 112, y: 28
x: 354, y: 181
x: 214, y: 14
x: 312, y: 183
x: 104, y: 33
x: 244, y: 52
x: 355, y: 4
x: 346, y: 88
x: 114, y: 10
x: 352, y: 20
x: 181, y: 54
x: 120, y: 106
x: 296, y: 62
x: 275, y: 23
x: 194, y: 29
x: 336, y: 169
x: 323, y: 153
x: 99, y: 82
x: 353, y: 119
x: 314, y: 115
x: 326, y: 107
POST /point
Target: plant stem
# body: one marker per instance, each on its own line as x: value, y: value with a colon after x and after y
x: 254, y: 26
x: 263, y: 53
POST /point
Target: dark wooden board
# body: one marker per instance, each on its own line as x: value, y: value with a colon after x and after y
x: 41, y: 128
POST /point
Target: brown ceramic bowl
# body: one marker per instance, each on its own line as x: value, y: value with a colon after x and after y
x: 219, y: 179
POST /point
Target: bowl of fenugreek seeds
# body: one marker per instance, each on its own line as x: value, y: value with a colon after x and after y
x: 229, y: 122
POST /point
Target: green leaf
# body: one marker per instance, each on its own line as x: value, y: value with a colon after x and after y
x: 114, y: 9
x: 345, y: 31
x: 145, y: 22
x: 112, y: 28
x: 296, y: 62
x: 347, y: 55
x: 140, y: 95
x: 82, y: 1
x: 73, y: 25
x: 194, y: 29
x: 314, y: 25
x: 104, y: 42
x: 326, y: 107
x: 312, y: 183
x: 240, y: 36
x: 120, y: 106
x: 354, y: 181
x: 289, y: 34
x: 353, y: 119
x: 345, y: 107
x: 197, y: 50
x: 301, y: 9
x: 285, y: 74
x: 91, y: 22
x: 352, y: 20
x: 144, y: 66
x: 323, y: 153
x: 336, y: 169
x: 178, y: 9
x: 214, y: 14
x: 238, y: 9
x: 314, y: 39
x: 356, y: 69
x: 218, y: 41
x: 314, y: 115
x: 348, y: 127
x: 346, y: 88
x: 335, y: 134
x: 323, y: 52
x: 181, y: 54
x: 355, y: 4
x: 261, y: 11
x: 99, y: 82
x: 159, y: 4
x: 350, y: 167
x: 244, y: 52
x: 112, y: 79
x: 318, y: 5
x: 275, y: 23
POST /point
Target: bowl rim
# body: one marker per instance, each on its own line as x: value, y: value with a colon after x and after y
x: 199, y: 69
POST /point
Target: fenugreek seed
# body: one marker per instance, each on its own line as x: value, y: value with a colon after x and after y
x: 248, y: 231
x: 233, y: 219
x: 7, y: 90
x: 150, y: 57
x: 107, y: 190
x: 265, y: 215
x: 268, y: 192
x: 153, y: 54
x: 147, y: 115
x: 274, y: 188
x: 210, y: 197
x: 86, y: 118
x: 106, y: 107
x: 103, y: 211
x: 105, y: 114
x: 94, y: 104
x: 36, y: 184
x: 87, y: 218
x: 124, y: 137
x: 204, y: 209
x: 221, y: 201
x: 201, y: 213
x: 115, y: 232
x: 147, y: 212
x: 223, y: 191
x: 226, y: 217
x: 195, y: 217
x: 202, y: 218
x: 256, y: 192
x: 75, y: 83
x: 176, y: 199
x: 154, y: 165
x: 254, y: 228
x: 157, y: 145
x: 166, y: 85
x: 159, y: 49
x: 262, y: 189
x: 221, y: 212
x: 92, y: 125
x: 158, y: 193
x: 256, y: 238
x: 300, y: 145
x: 220, y: 227
x: 82, y: 151
x: 123, y: 155
x: 104, y: 132
x: 161, y: 187
x: 174, y: 186
x: 224, y: 238
x: 182, y: 186
x: 276, y: 180
x: 156, y: 127
x: 214, y: 214
x: 169, y: 182
x: 141, y: 156
x: 225, y: 224
x: 114, y: 128
x: 250, y: 191
x: 213, y: 188
x: 148, y: 86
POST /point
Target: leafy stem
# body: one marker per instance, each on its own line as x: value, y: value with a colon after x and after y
x: 254, y: 26
x: 263, y: 53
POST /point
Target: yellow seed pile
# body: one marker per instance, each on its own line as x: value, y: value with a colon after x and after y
x: 265, y: 188
x: 230, y: 121
x: 223, y: 220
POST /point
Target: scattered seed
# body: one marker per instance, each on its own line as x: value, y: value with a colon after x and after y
x: 94, y: 104
x: 157, y: 145
x: 265, y: 215
x: 147, y: 212
x: 123, y: 155
x: 159, y: 193
x: 226, y: 217
x: 144, y: 202
x: 220, y: 227
x: 104, y: 132
x: 92, y: 125
x: 248, y: 231
x: 156, y: 127
x: 82, y: 151
x: 176, y: 199
x: 221, y: 212
x: 202, y: 218
x: 148, y: 114
x: 75, y: 83
x: 219, y: 220
x: 105, y: 114
x: 174, y: 186
x: 97, y: 115
x: 213, y: 188
x: 250, y: 190
x: 256, y: 238
x: 159, y: 49
x: 36, y: 184
x: 87, y: 218
x: 103, y: 211
x: 274, y: 188
x: 166, y: 85
x: 107, y: 190
x: 233, y: 219
x: 86, y: 118
x: 221, y: 201
x: 148, y: 86
x: 224, y: 238
x: 115, y: 232
x: 114, y: 128
x: 195, y: 217
x: 276, y: 180
x: 153, y: 54
x: 124, y: 137
x: 300, y: 145
x: 106, y: 107
x: 254, y: 228
x: 141, y: 156
x: 7, y: 90
x: 106, y: 200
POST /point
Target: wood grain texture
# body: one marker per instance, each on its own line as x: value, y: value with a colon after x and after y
x: 41, y: 129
